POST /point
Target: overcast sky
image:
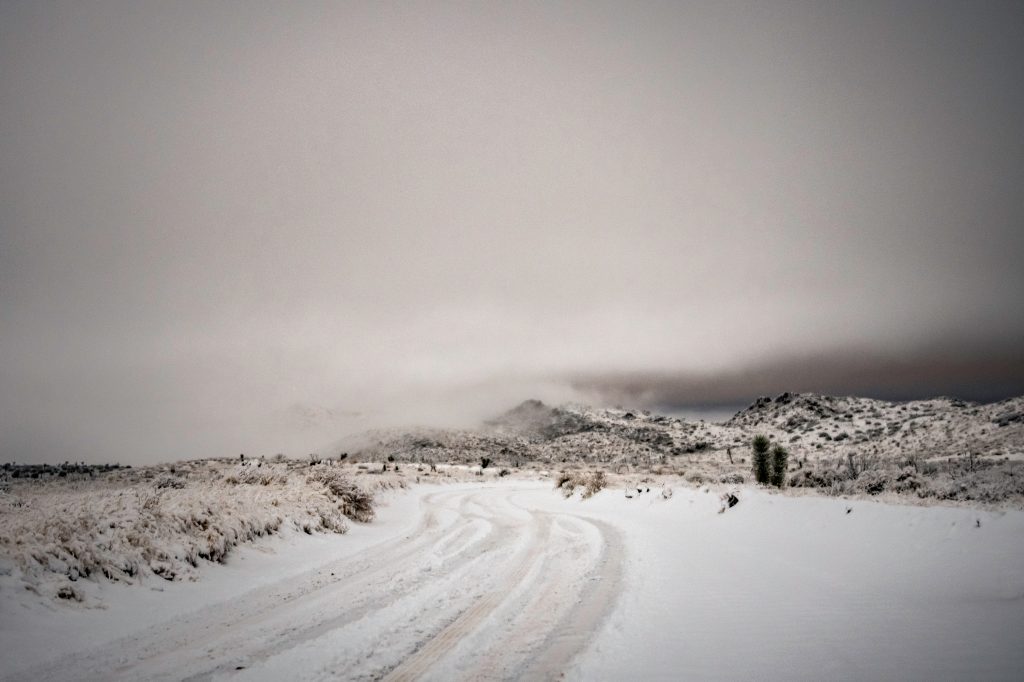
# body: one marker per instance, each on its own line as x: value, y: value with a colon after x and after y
x: 220, y: 220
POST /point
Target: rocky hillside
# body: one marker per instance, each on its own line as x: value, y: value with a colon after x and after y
x: 810, y: 425
x: 849, y: 435
x: 940, y: 427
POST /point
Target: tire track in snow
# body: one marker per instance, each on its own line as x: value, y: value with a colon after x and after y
x: 602, y: 585
x: 378, y: 589
x: 504, y: 649
x: 417, y: 664
x: 209, y: 632
x: 482, y: 588
x: 574, y: 591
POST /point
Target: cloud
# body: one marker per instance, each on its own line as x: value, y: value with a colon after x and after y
x: 981, y: 372
x: 423, y: 213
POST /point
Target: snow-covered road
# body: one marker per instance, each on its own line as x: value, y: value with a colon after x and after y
x: 507, y: 580
x: 481, y: 587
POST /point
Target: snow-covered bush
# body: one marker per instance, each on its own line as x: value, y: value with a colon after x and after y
x: 126, y: 529
x: 591, y: 483
x: 169, y: 482
x: 594, y: 484
x: 255, y: 473
x: 815, y: 478
x: 907, y: 480
x: 986, y: 483
x: 873, y: 481
x: 356, y: 503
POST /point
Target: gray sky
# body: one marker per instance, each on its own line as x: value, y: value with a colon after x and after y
x: 242, y: 226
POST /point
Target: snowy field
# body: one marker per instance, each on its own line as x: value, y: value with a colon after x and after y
x: 508, y: 580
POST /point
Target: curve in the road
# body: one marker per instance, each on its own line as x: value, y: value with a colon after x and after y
x: 483, y: 588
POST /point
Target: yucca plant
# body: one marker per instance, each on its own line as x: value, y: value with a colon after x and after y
x: 780, y: 461
x: 762, y: 465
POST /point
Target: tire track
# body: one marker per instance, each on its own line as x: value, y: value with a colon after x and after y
x: 480, y: 588
x: 230, y: 626
x: 575, y: 589
x: 602, y: 585
x: 417, y: 664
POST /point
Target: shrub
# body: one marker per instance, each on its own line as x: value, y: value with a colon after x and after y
x: 247, y: 474
x: 815, y: 478
x: 780, y: 461
x: 169, y: 482
x: 760, y: 461
x: 356, y: 503
x: 873, y: 481
x: 594, y: 483
x: 591, y: 483
x: 127, y: 533
x: 908, y: 480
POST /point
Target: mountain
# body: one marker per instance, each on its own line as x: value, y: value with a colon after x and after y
x: 938, y: 427
x: 809, y: 424
x: 831, y: 440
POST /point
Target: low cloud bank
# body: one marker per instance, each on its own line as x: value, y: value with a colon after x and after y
x: 979, y: 374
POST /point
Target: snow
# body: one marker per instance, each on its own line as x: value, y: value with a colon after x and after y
x: 508, y: 579
x: 797, y: 588
x: 40, y: 629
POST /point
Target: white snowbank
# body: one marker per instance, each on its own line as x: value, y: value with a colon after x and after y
x: 798, y: 588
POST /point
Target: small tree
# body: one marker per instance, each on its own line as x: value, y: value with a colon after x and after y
x: 762, y: 468
x: 780, y: 460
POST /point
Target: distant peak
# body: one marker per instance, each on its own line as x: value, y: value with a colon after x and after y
x: 529, y: 404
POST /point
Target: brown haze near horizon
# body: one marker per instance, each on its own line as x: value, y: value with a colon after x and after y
x: 251, y: 226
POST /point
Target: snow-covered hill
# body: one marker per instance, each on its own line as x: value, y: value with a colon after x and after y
x: 942, y: 447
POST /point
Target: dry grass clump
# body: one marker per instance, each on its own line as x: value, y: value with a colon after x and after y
x: 256, y: 473
x: 124, y: 531
x: 169, y: 482
x: 590, y: 482
x: 355, y: 503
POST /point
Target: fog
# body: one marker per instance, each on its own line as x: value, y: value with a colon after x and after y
x: 256, y: 227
